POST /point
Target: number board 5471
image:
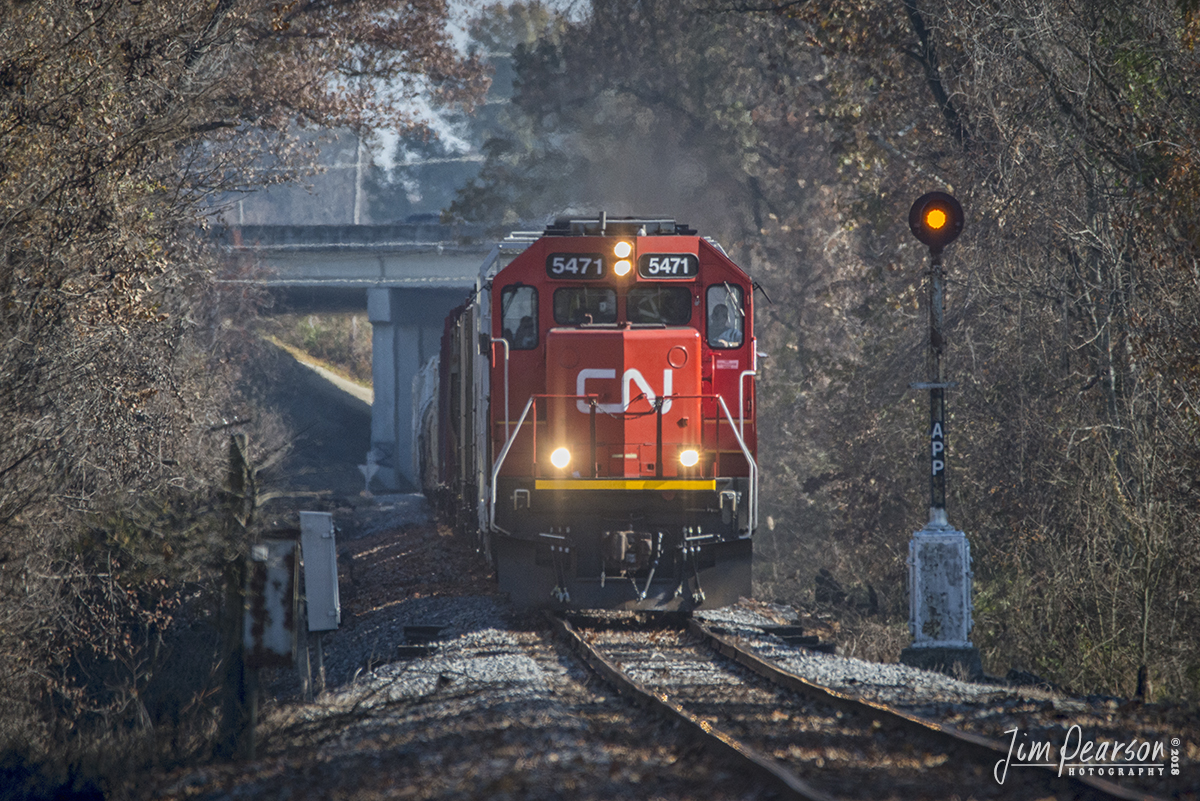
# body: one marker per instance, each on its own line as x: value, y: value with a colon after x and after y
x: 668, y: 265
x: 577, y: 266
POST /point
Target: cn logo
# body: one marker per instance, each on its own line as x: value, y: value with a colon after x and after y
x: 630, y: 377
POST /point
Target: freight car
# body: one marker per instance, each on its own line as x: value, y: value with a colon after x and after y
x: 591, y: 417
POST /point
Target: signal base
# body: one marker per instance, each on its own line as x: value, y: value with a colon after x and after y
x: 960, y: 662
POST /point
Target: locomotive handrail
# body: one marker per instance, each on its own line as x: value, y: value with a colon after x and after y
x: 742, y: 399
x: 508, y: 442
x: 750, y: 461
x: 506, y: 415
x: 500, y: 461
x: 512, y: 436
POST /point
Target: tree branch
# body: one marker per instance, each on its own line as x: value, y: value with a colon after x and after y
x: 927, y: 57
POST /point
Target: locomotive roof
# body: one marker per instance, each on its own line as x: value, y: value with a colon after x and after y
x: 603, y: 225
x: 600, y: 225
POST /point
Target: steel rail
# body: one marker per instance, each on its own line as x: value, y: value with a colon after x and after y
x: 719, y: 742
x: 982, y: 746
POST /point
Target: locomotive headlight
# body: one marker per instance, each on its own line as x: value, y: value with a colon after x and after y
x: 560, y: 458
x: 623, y: 267
x: 689, y: 458
x: 622, y: 249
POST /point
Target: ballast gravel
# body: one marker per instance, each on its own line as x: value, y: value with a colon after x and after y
x: 479, y: 660
x: 489, y: 708
x: 893, y: 684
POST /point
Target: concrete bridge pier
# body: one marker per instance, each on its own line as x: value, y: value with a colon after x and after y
x: 406, y: 331
x: 414, y: 274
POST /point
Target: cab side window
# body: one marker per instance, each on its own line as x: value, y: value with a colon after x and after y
x: 725, y: 315
x: 519, y: 315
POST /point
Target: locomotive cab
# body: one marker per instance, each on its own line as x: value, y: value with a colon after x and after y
x: 618, y: 435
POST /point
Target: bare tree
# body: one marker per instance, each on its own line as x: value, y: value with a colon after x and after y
x: 119, y: 352
x: 1069, y: 134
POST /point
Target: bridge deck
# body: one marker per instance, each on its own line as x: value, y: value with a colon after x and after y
x: 410, y: 255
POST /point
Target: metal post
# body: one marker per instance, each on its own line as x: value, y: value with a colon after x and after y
x: 939, y: 561
x: 320, y: 688
x: 253, y: 678
x: 592, y: 424
x: 937, y: 455
x: 305, y: 670
x: 358, y: 177
x: 658, y: 446
x: 937, y: 394
x: 236, y: 719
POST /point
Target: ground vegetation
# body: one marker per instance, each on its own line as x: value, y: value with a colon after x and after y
x: 336, y: 340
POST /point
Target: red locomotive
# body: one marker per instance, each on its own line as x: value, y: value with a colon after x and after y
x: 594, y: 419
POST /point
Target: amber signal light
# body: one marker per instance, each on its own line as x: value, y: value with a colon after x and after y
x: 936, y: 219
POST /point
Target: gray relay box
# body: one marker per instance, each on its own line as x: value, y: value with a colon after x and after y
x: 320, y: 570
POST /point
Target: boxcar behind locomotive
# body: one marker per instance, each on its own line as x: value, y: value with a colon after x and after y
x: 594, y: 417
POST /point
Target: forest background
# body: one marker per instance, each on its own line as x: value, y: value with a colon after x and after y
x: 796, y: 133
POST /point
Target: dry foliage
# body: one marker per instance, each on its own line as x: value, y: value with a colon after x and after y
x: 120, y: 349
x: 798, y: 134
x: 341, y: 341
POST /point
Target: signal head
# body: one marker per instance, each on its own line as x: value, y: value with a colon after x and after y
x: 936, y: 219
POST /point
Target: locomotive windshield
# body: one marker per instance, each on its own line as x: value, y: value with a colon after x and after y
x: 658, y: 304
x: 579, y: 305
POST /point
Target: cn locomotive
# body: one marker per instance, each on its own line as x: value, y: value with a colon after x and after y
x: 591, y: 417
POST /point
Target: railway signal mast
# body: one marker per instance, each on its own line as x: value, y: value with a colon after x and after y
x: 939, y: 556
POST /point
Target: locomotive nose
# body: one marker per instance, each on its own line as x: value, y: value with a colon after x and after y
x: 636, y: 389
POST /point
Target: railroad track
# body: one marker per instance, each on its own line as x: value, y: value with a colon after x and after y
x: 804, y: 740
x: 511, y: 714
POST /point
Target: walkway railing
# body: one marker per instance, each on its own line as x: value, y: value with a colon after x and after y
x: 736, y: 427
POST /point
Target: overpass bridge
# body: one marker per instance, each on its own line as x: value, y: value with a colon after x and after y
x: 407, y: 276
